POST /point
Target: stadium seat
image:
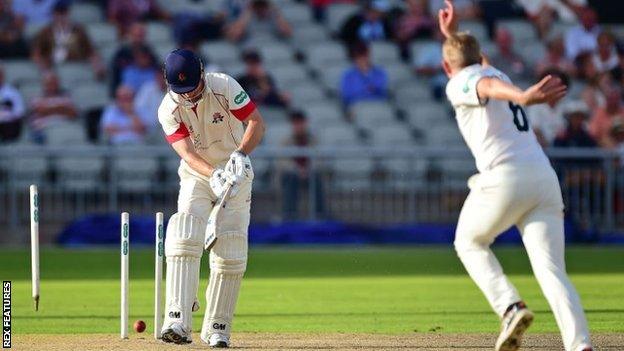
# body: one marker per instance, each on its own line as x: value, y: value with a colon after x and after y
x: 324, y: 114
x: 392, y: 135
x: 419, y: 45
x: 28, y: 166
x: 326, y: 54
x: 385, y: 54
x: 521, y: 30
x: 273, y: 114
x: 65, y: 133
x: 412, y: 92
x: 331, y: 76
x: 30, y: 91
x: 20, y: 72
x: 398, y: 74
x: 276, y: 53
x: 289, y: 75
x: 220, y: 51
x: 102, y: 34
x: 341, y: 134
x: 233, y: 68
x: 444, y: 134
x: 477, y: 29
x: 158, y: 33
x: 305, y: 35
x: 163, y: 49
x: 296, y: 13
x: 90, y: 96
x: 337, y: 14
x: 532, y: 52
x: 372, y: 114
x: 72, y: 74
x: 135, y: 172
x: 276, y: 133
x: 422, y: 115
x: 80, y: 173
x: 85, y: 13
x: 306, y: 94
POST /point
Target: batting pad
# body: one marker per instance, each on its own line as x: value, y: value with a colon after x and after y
x: 228, y: 261
x: 183, y: 247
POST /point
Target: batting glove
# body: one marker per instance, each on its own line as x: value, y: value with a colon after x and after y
x: 220, y: 180
x: 239, y: 164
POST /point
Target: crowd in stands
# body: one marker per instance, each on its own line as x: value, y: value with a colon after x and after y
x: 291, y: 54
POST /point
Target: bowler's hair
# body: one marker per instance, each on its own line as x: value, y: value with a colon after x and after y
x: 461, y: 50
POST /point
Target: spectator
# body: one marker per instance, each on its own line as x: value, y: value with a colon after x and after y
x: 363, y: 80
x: 617, y: 133
x: 555, y: 58
x: 123, y: 57
x: 52, y: 107
x: 259, y: 84
x: 369, y: 25
x: 296, y: 172
x: 148, y: 100
x: 415, y: 23
x: 593, y: 80
x: 62, y: 41
x: 606, y: 57
x: 428, y: 64
x: 120, y: 122
x: 543, y: 13
x: 548, y: 120
x: 575, y: 134
x: 12, y: 42
x: 604, y: 118
x: 260, y: 18
x: 141, y: 70
x: 11, y: 111
x: 123, y: 13
x: 33, y: 12
x: 506, y: 59
x: 583, y: 37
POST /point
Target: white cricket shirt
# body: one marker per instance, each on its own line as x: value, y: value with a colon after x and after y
x: 214, y: 123
x: 496, y: 131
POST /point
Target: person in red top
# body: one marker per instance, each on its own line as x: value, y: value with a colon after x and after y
x: 213, y: 125
x: 603, y: 119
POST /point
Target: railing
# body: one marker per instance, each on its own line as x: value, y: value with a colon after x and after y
x: 358, y: 185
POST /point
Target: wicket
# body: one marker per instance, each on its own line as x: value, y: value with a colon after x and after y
x: 34, y: 243
x: 159, y: 254
x: 158, y: 272
x: 125, y: 254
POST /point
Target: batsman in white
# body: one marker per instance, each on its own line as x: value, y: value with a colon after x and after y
x: 515, y: 186
x: 213, y: 125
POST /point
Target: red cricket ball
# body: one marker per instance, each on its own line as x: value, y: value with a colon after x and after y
x: 139, y: 326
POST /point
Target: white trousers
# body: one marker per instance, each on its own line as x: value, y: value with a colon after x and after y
x: 529, y: 197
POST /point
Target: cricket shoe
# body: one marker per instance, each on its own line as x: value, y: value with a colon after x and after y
x: 218, y: 341
x: 515, y: 322
x: 176, y: 333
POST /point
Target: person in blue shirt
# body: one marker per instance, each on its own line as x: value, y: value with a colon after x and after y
x: 142, y: 69
x: 363, y: 80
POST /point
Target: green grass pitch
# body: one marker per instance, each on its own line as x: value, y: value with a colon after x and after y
x: 341, y: 289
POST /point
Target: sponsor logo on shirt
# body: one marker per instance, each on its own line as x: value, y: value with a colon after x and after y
x: 240, y: 97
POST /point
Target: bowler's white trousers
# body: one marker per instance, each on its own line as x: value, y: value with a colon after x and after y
x: 528, y: 196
